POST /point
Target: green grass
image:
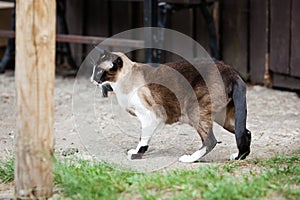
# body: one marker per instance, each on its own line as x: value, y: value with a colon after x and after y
x: 251, y: 179
x: 7, y: 170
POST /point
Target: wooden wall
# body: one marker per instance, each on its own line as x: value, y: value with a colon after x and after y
x: 260, y: 38
x: 285, y: 43
x: 234, y: 34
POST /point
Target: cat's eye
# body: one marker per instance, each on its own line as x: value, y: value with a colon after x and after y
x: 119, y: 60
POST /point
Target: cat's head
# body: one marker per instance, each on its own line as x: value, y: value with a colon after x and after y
x: 107, y: 68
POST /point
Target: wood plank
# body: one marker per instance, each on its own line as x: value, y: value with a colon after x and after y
x: 285, y: 81
x: 258, y: 40
x: 34, y: 75
x: 280, y: 36
x: 6, y: 5
x: 87, y: 40
x: 295, y: 40
x: 234, y: 34
x: 118, y: 42
x: 7, y: 34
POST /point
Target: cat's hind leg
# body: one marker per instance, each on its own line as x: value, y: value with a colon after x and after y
x: 208, y: 143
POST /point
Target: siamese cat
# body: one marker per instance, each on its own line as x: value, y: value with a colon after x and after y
x: 177, y: 92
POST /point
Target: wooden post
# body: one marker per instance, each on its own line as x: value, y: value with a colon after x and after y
x: 35, y: 66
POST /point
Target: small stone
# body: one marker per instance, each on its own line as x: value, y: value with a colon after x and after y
x: 69, y: 151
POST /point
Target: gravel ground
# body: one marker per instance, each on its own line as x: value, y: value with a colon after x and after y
x: 91, y: 126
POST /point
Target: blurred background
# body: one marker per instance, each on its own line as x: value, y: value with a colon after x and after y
x: 260, y: 38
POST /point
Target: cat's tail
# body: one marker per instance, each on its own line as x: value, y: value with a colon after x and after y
x: 242, y: 134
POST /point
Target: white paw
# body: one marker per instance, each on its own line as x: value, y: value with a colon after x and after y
x: 187, y: 159
x: 132, y: 151
x: 194, y: 157
x: 234, y: 156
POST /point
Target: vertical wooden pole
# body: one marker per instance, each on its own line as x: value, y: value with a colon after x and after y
x: 35, y: 66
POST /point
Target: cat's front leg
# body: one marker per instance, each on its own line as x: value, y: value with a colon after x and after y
x: 141, y: 148
x: 150, y: 123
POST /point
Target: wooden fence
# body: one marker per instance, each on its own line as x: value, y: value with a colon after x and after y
x: 285, y: 43
x: 260, y: 38
x: 275, y: 42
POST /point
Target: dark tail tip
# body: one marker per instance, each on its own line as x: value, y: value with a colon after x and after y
x: 244, y: 148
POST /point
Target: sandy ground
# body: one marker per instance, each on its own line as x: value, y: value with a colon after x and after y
x: 92, y: 127
x: 98, y: 128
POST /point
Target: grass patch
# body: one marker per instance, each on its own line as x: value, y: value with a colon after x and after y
x: 7, y: 170
x: 251, y: 179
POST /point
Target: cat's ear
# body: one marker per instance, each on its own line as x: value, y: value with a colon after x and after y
x: 117, y: 63
x: 104, y: 55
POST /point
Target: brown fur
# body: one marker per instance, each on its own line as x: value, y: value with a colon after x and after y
x: 199, y: 114
x: 179, y: 92
x: 155, y: 93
